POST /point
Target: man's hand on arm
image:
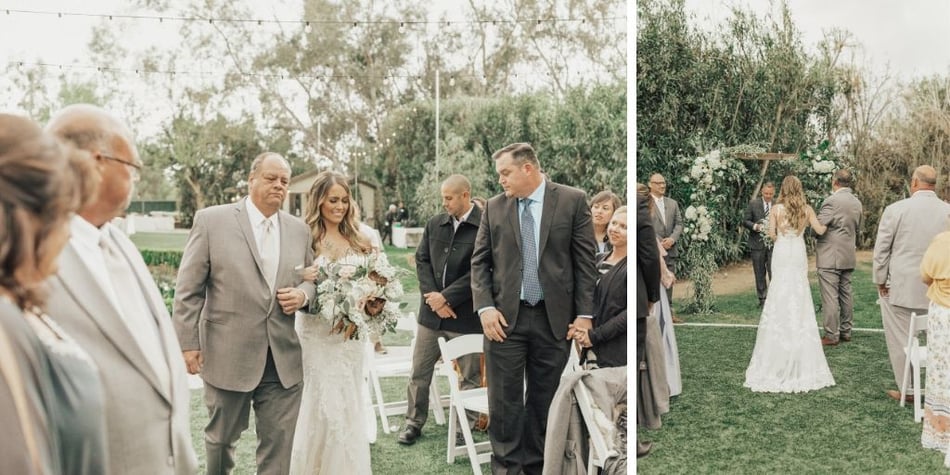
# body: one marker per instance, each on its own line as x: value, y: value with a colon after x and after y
x: 493, y: 324
x: 193, y: 361
x: 291, y: 299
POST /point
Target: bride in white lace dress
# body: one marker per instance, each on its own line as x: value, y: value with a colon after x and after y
x: 329, y: 437
x: 788, y: 356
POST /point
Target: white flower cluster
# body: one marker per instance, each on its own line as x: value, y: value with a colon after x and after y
x: 705, y: 169
x: 823, y: 166
x: 346, y: 288
x: 699, y: 222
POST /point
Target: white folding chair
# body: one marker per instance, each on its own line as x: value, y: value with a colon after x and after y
x: 464, y: 400
x: 915, y: 358
x: 398, y: 363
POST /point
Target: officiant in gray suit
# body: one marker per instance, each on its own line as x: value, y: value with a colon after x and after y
x: 234, y: 310
x: 105, y: 298
x: 755, y: 215
x: 903, y: 235
x: 668, y: 224
x: 835, y: 256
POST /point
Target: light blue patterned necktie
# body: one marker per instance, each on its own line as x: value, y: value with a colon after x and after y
x: 529, y: 256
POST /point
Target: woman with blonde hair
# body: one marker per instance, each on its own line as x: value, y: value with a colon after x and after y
x: 788, y: 355
x: 329, y: 435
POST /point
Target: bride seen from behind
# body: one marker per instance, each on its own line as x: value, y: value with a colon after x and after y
x: 326, y: 439
x: 788, y: 356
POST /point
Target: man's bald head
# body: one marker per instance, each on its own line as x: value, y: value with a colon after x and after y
x: 457, y: 184
x: 926, y: 177
x: 110, y: 143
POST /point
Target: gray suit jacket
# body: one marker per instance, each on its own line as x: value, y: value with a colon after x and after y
x: 148, y: 427
x: 835, y: 249
x: 672, y: 228
x: 565, y: 257
x: 903, y: 235
x: 223, y: 305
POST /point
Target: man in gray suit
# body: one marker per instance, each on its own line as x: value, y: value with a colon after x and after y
x: 532, y: 276
x: 835, y: 257
x: 905, y: 231
x: 234, y: 313
x: 105, y: 298
x: 668, y: 224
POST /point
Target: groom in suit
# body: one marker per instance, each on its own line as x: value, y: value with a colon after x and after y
x: 903, y: 235
x: 106, y: 299
x: 532, y: 276
x: 759, y: 209
x: 835, y: 257
x: 234, y: 312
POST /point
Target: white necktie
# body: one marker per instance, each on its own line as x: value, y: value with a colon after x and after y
x: 270, y: 253
x: 134, y: 309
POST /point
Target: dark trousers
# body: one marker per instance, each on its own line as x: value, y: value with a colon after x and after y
x: 762, y: 266
x: 275, y: 412
x: 518, y: 419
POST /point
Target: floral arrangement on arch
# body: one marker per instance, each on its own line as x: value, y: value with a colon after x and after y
x: 707, y: 174
x: 359, y: 295
x: 815, y: 168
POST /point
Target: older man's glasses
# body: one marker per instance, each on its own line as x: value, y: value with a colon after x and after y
x: 135, y: 168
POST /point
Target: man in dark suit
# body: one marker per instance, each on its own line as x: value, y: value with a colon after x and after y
x: 532, y: 276
x: 443, y: 265
x: 648, y: 286
x: 758, y: 210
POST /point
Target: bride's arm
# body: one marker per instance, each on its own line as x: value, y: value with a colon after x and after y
x: 815, y: 224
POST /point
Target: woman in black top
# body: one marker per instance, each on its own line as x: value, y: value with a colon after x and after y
x: 57, y: 416
x: 608, y: 338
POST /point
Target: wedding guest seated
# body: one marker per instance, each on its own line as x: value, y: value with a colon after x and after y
x: 51, y: 399
x: 935, y: 272
x: 602, y: 207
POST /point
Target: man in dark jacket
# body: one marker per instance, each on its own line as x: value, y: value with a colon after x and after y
x: 443, y: 265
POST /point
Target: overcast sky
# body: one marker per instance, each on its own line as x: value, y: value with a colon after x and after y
x: 911, y: 36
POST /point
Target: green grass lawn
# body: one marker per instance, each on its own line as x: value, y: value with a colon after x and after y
x: 717, y: 426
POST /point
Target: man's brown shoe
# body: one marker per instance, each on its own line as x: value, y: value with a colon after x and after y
x: 644, y: 448
x: 677, y: 319
x: 896, y: 395
x: 845, y: 337
x: 829, y: 342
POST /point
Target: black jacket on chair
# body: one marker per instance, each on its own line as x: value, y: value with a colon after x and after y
x: 443, y: 249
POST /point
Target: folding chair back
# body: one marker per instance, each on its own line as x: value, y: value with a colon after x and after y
x: 464, y: 400
x: 915, y: 358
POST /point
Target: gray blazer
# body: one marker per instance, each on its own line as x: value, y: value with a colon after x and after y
x: 223, y: 305
x: 148, y: 426
x: 903, y: 235
x: 673, y: 227
x: 835, y: 249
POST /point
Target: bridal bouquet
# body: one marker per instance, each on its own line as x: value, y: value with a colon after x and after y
x: 764, y: 232
x: 358, y: 297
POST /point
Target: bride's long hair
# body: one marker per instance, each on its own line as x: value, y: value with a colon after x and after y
x: 792, y: 197
x: 318, y: 226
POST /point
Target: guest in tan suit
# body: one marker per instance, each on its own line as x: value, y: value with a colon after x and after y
x: 903, y: 234
x: 105, y: 298
x: 234, y: 313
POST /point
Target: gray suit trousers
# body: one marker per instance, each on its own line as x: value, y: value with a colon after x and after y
x: 275, y: 412
x: 424, y: 356
x: 837, y: 302
x: 896, y: 320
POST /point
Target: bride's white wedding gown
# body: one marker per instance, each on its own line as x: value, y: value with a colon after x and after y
x: 788, y: 356
x: 330, y: 437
